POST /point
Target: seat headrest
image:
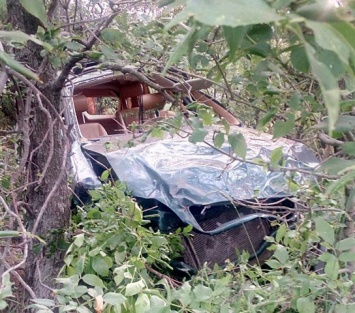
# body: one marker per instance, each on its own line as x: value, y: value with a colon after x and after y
x: 153, y: 101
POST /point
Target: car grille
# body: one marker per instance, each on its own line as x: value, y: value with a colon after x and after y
x: 203, y: 248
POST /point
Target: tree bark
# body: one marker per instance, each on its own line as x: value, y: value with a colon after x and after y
x: 47, y: 195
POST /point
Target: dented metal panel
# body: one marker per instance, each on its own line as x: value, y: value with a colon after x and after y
x: 180, y: 174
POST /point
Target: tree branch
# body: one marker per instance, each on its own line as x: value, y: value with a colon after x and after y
x: 58, y: 84
x: 143, y: 78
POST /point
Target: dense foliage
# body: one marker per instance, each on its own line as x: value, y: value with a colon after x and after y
x: 116, y: 264
x: 283, y: 66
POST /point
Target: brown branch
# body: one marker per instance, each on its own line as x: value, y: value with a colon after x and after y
x: 58, y: 84
x: 329, y: 140
x: 53, y: 5
x: 3, y: 80
x: 26, y: 140
x: 9, y: 132
x: 11, y: 269
x: 140, y: 76
x: 172, y: 282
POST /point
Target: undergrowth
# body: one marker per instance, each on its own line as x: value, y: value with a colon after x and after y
x: 117, y: 264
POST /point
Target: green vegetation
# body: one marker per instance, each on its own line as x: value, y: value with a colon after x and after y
x: 115, y: 262
x: 282, y: 66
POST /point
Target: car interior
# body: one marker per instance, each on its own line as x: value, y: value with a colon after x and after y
x: 111, y: 106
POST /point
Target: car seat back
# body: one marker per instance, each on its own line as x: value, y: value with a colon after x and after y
x: 92, y: 130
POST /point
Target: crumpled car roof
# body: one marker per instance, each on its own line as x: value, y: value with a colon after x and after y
x: 180, y: 174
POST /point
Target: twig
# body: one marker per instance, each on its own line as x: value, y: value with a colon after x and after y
x: 59, y: 82
x: 24, y: 238
x: 329, y: 140
x: 20, y: 279
x: 172, y: 282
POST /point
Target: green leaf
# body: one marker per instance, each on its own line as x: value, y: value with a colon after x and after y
x: 344, y: 123
x: 202, y: 293
x: 181, y: 49
x: 93, y: 280
x: 206, y: 115
x: 45, y: 302
x: 112, y: 35
x: 282, y: 128
x: 184, y: 294
x: 142, y: 303
x: 238, y: 144
x: 281, y: 232
x: 109, y: 53
x: 329, y: 38
x: 260, y: 32
x: 332, y: 61
x: 226, y: 126
x: 281, y: 254
x: 325, y: 230
x: 17, y: 66
x: 325, y: 257
x: 80, y: 290
x: 266, y: 118
x: 100, y: 265
x: 114, y: 298
x: 345, y: 31
x: 332, y: 267
x: 157, y: 133
x: 276, y: 156
x: 234, y: 37
x: 348, y: 148
x: 79, y: 240
x: 79, y: 265
x: 157, y: 304
x: 305, y: 305
x: 94, y: 214
x: 22, y: 38
x: 299, y: 59
x: 261, y: 49
x: 82, y: 309
x: 36, y: 8
x: 345, y: 244
x: 348, y: 256
x: 218, y: 140
x: 328, y: 84
x: 134, y: 288
x: 105, y: 175
x: 336, y: 165
x: 340, y: 183
x: 295, y: 102
x: 187, y: 230
x: 75, y: 46
x: 198, y: 135
x: 232, y: 13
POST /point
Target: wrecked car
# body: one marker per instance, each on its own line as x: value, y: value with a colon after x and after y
x: 232, y: 204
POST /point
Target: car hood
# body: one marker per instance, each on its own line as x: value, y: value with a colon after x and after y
x: 180, y: 174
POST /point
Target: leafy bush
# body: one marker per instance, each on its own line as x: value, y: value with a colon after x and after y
x: 117, y: 264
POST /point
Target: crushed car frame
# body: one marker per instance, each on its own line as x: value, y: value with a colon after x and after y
x: 232, y: 204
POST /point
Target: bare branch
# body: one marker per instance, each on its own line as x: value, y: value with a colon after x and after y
x: 51, y: 10
x: 329, y: 140
x: 133, y: 71
x: 3, y: 80
x: 59, y: 82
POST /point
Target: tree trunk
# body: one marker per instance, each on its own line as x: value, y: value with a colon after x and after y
x: 47, y: 196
